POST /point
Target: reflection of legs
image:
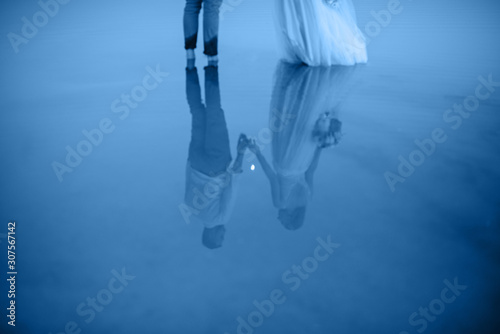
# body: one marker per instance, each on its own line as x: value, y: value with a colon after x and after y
x: 198, y: 113
x: 216, y: 134
x: 211, y: 26
x: 191, y: 13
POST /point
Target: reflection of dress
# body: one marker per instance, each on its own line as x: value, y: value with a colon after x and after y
x: 315, y: 33
x: 301, y: 94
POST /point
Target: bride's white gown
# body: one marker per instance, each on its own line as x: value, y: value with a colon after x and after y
x: 319, y: 34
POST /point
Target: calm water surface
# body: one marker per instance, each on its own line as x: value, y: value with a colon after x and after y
x: 415, y: 247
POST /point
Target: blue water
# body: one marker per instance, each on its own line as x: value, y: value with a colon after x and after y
x: 110, y: 232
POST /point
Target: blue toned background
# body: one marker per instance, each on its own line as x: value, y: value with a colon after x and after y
x: 116, y: 215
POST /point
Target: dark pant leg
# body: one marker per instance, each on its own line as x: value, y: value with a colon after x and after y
x: 191, y: 13
x: 211, y: 26
x: 198, y: 116
x: 216, y: 135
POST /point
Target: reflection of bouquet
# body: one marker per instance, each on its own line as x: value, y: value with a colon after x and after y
x: 331, y: 3
x: 327, y: 131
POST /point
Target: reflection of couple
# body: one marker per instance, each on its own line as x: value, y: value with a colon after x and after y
x: 314, y: 32
x: 307, y: 99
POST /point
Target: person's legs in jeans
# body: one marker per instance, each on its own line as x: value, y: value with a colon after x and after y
x: 209, y: 151
x: 191, y: 13
x: 198, y: 120
x: 216, y: 134
x: 211, y: 26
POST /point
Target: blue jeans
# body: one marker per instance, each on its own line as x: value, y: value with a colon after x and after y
x: 209, y: 151
x: 210, y: 24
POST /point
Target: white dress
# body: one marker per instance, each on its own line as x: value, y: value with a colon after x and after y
x: 318, y: 34
x: 300, y: 95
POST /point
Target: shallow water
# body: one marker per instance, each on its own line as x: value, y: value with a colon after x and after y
x: 119, y: 208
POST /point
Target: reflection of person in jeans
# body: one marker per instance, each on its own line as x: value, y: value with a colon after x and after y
x: 210, y: 27
x: 210, y: 178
